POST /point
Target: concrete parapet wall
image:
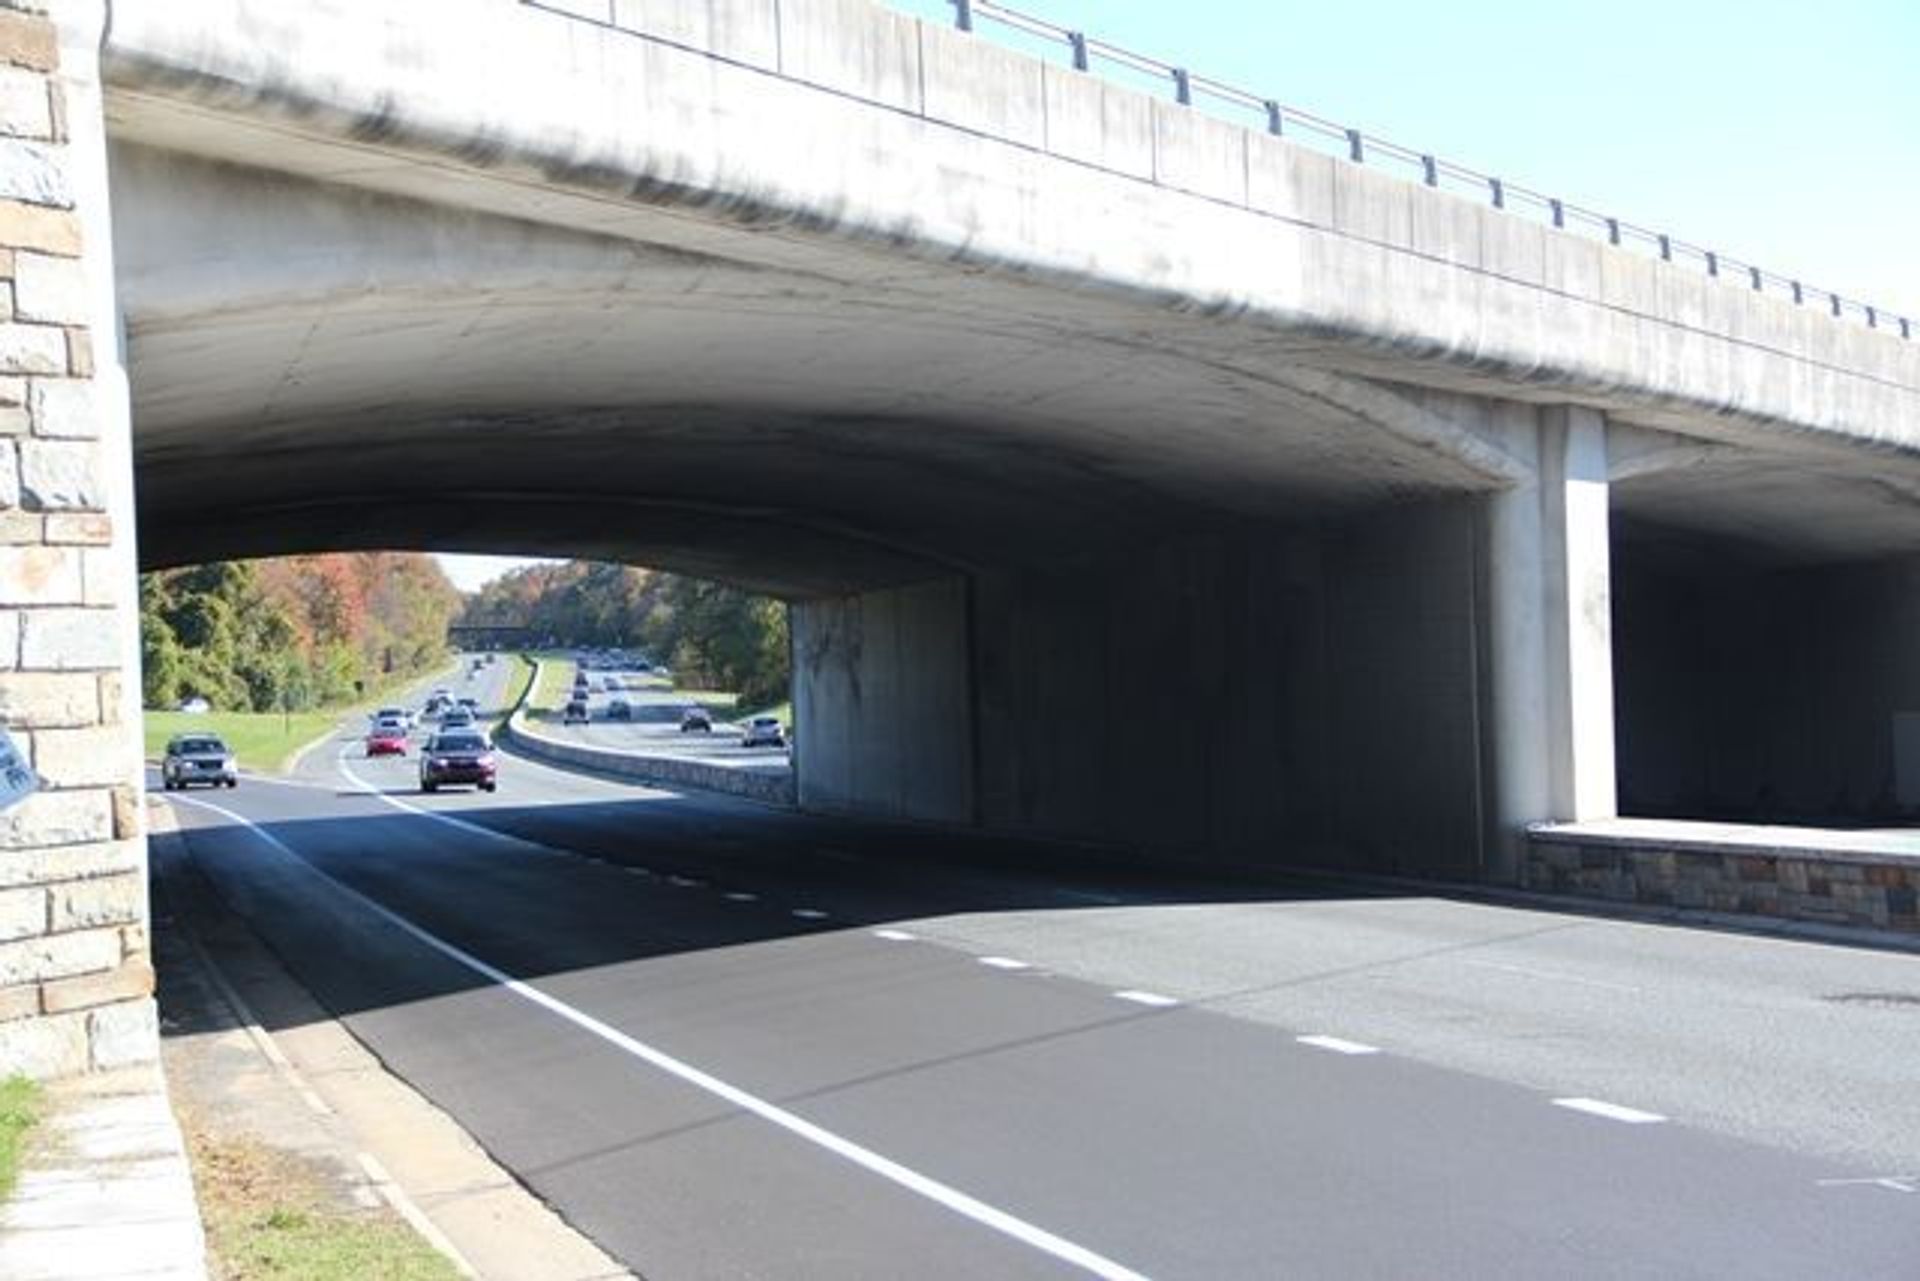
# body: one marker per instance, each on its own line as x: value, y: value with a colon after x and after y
x: 1773, y: 878
x: 75, y: 967
x: 672, y: 771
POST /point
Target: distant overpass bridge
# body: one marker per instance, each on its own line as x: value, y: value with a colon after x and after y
x: 1135, y: 475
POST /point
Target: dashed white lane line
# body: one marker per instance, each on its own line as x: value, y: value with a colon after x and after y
x: 742, y: 896
x: 1004, y: 963
x: 809, y: 914
x: 1611, y: 1111
x: 1337, y: 1044
x: 912, y: 1180
x: 686, y: 882
x: 895, y: 936
x: 1147, y: 998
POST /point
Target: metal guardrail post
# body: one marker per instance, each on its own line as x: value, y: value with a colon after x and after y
x: 1799, y: 295
x: 1755, y: 273
x: 1431, y: 169
x: 1078, y: 39
x: 1713, y: 263
x: 1276, y: 118
x: 1666, y: 247
x: 1356, y: 150
x: 1873, y: 318
x: 1558, y: 210
x: 1498, y: 190
x: 1613, y: 231
x: 1835, y: 300
x: 963, y: 14
x: 1182, y: 87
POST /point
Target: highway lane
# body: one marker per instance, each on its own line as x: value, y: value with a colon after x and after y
x: 1175, y: 1141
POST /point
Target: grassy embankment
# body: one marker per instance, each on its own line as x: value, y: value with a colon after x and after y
x: 266, y: 741
x: 19, y: 1109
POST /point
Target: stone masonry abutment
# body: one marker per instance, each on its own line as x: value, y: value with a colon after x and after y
x: 75, y: 972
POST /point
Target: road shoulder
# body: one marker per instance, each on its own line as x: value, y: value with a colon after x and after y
x: 309, y: 1090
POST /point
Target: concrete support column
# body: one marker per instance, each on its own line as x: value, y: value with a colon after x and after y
x: 1548, y: 626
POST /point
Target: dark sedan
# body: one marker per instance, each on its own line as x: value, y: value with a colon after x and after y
x: 457, y: 758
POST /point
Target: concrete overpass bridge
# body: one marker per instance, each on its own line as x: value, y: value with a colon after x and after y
x: 1135, y: 475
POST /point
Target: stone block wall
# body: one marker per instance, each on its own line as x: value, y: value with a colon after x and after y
x: 1832, y: 887
x: 76, y: 980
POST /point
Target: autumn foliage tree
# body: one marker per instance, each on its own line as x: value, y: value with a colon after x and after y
x: 300, y: 631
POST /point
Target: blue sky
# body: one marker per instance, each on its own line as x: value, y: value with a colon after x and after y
x: 1781, y: 133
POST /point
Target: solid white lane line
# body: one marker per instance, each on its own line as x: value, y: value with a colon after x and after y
x: 742, y: 896
x: 1611, y: 1111
x: 686, y: 882
x: 1146, y: 998
x: 809, y: 914
x: 1553, y: 976
x: 1337, y: 1045
x: 892, y: 1171
x: 1003, y: 963
x: 895, y: 936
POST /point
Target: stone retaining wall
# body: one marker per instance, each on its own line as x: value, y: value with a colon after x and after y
x: 1835, y: 887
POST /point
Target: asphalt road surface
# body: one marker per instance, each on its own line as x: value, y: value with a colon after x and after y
x: 728, y: 1041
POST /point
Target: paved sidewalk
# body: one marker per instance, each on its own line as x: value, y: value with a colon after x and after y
x: 105, y: 1190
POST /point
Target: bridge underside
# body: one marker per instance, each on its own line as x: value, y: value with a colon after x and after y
x: 1063, y: 561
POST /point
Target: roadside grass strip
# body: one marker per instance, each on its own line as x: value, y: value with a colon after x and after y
x: 1611, y: 1111
x: 892, y: 1171
x: 1337, y: 1044
x: 19, y: 1111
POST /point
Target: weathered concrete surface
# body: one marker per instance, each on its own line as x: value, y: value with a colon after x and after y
x: 1766, y: 694
x: 882, y: 703
x: 1094, y: 317
x: 1274, y: 696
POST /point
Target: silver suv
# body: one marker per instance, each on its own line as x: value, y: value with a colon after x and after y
x: 198, y: 758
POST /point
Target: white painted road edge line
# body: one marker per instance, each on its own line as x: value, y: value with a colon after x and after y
x: 742, y: 896
x: 895, y: 936
x: 1611, y: 1111
x: 1003, y: 963
x: 892, y: 1171
x: 1147, y: 998
x: 1337, y: 1045
x: 809, y: 914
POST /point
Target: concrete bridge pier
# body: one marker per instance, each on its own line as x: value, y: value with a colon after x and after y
x: 1548, y: 733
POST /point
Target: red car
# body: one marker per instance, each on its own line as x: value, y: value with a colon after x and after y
x: 386, y: 740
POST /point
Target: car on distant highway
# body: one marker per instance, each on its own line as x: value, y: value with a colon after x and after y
x: 763, y: 731
x: 195, y: 706
x: 387, y: 738
x: 695, y: 719
x: 618, y: 709
x: 198, y: 758
x: 470, y: 703
x: 400, y: 714
x: 612, y: 683
x: 457, y: 718
x: 458, y: 756
x: 575, y: 712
